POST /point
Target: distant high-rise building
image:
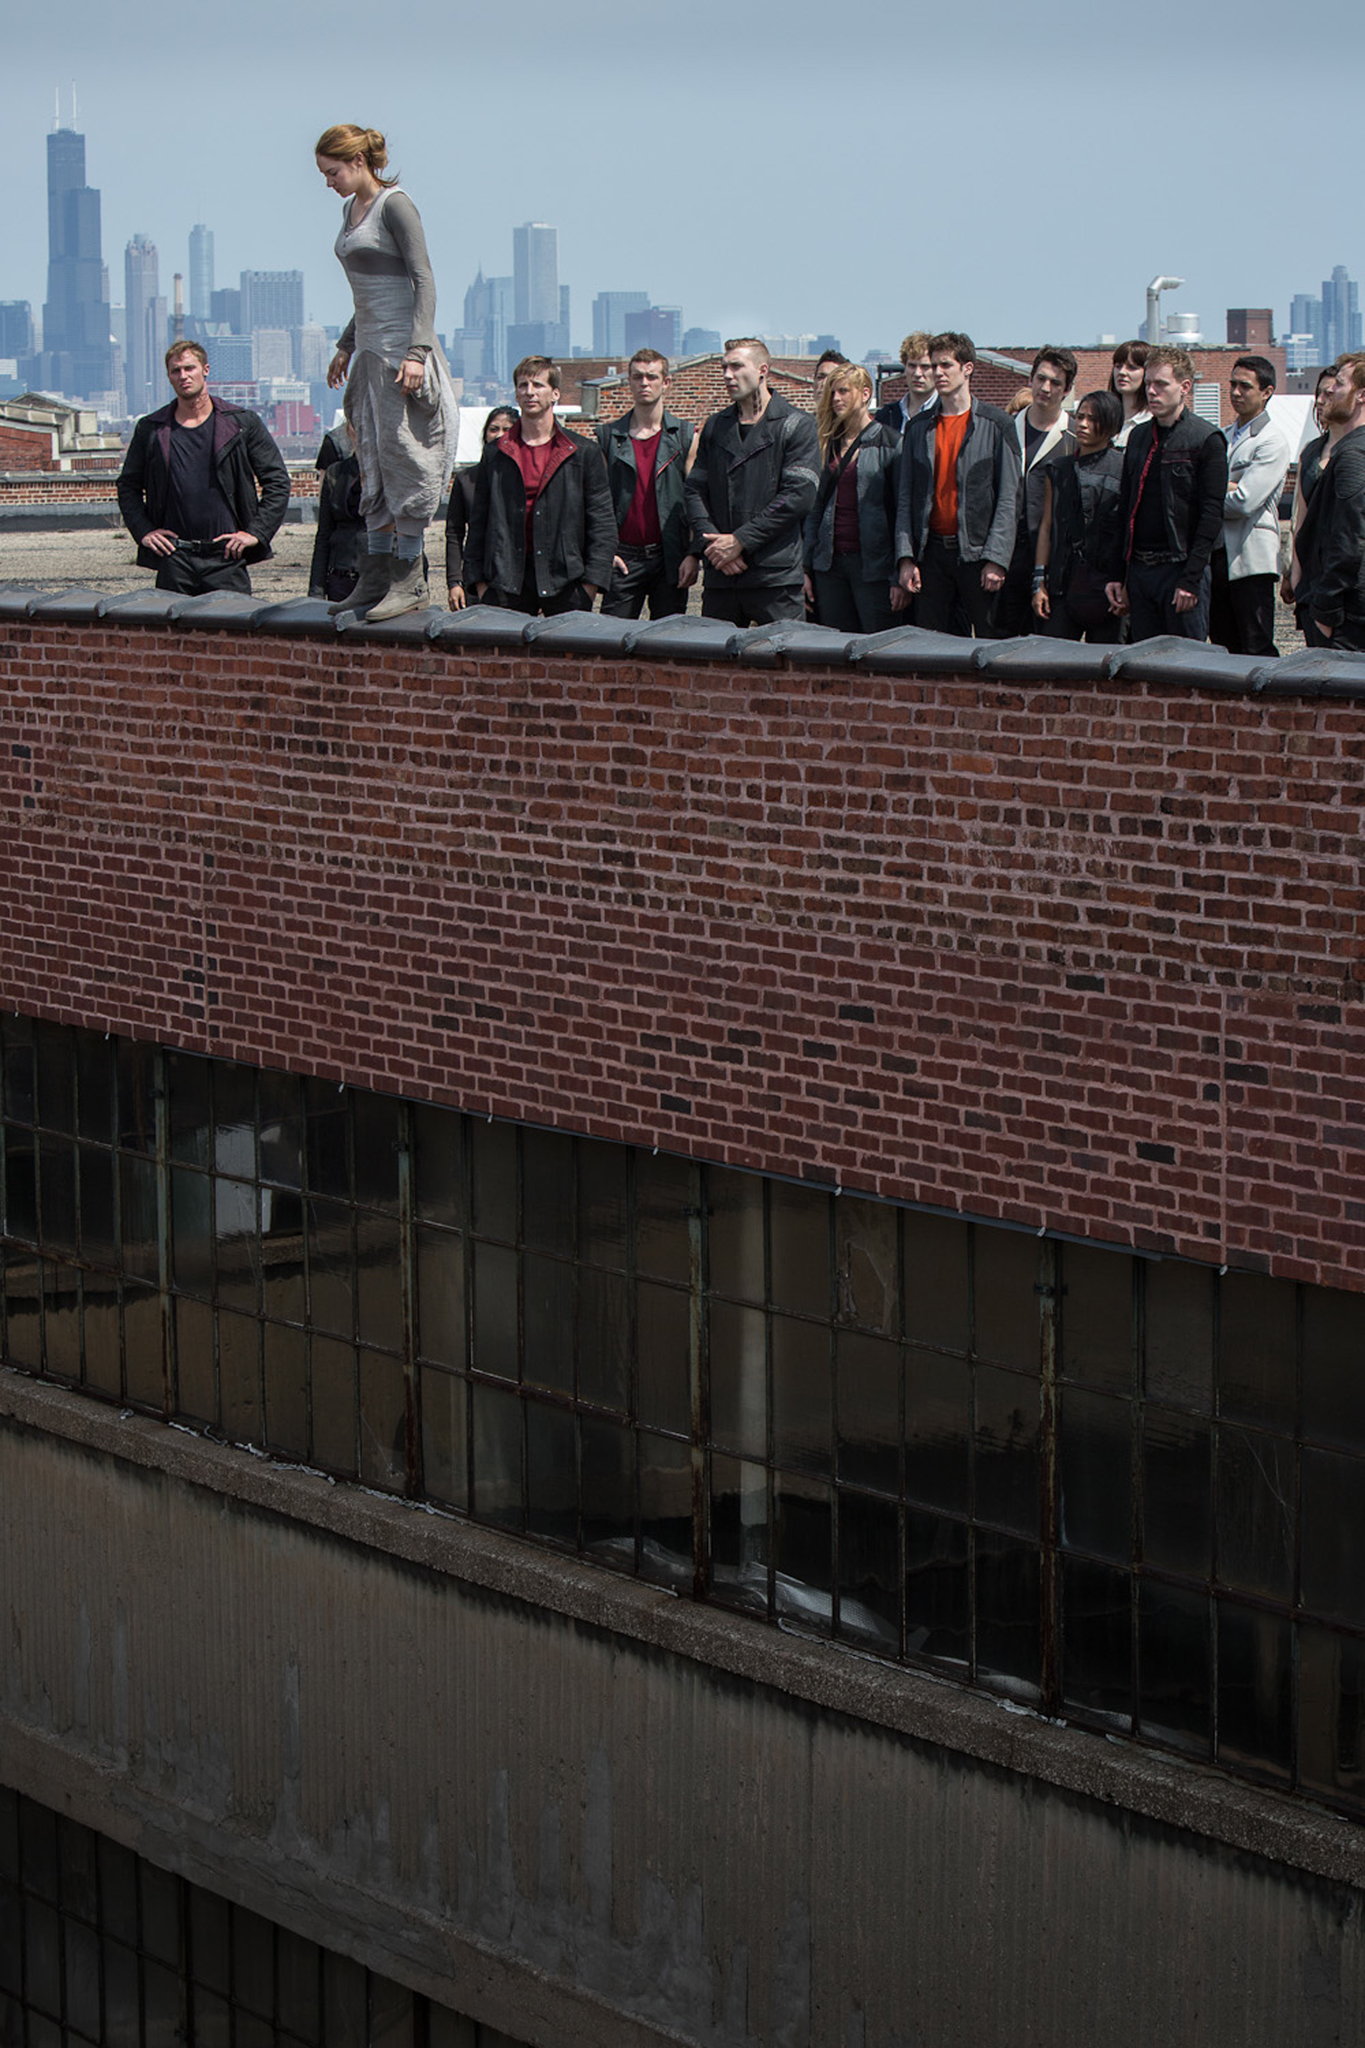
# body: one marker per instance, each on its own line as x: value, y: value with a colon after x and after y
x: 274, y: 351
x: 16, y: 327
x: 535, y: 272
x: 702, y: 341
x: 488, y: 309
x: 145, y: 322
x: 1251, y: 327
x: 312, y: 351
x: 271, y: 298
x: 232, y: 359
x: 225, y: 308
x: 76, y: 356
x: 1305, y: 317
x: 201, y: 273
x: 1340, y: 314
x: 655, y: 327
x: 609, y: 310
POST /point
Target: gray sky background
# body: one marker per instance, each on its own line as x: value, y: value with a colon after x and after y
x: 1017, y: 173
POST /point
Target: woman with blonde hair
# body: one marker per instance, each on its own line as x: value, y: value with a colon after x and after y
x: 399, y: 398
x: 850, y: 534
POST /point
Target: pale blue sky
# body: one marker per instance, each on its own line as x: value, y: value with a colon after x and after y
x: 1019, y: 174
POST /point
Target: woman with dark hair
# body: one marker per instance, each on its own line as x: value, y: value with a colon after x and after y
x: 500, y: 421
x: 1128, y: 382
x: 850, y: 535
x: 1313, y: 457
x: 399, y: 398
x: 1079, y: 527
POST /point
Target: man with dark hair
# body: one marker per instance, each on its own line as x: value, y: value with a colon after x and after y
x: 825, y: 366
x: 752, y: 483
x: 1246, y: 561
x: 959, y: 499
x: 541, y: 532
x: 1175, y: 479
x: 919, y: 394
x: 1042, y: 432
x: 646, y: 452
x: 1331, y: 539
x: 203, y: 487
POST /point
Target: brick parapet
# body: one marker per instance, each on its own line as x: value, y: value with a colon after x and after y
x: 1081, y: 958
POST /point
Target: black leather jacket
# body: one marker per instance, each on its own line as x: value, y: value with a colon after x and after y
x: 670, y: 483
x: 245, y: 457
x: 573, y: 531
x: 759, y: 486
x: 1331, y: 537
x: 1190, y: 469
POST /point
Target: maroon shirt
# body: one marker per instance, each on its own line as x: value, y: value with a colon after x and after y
x: 536, y: 465
x: 640, y: 528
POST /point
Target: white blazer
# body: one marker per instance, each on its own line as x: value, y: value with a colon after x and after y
x: 1251, y: 513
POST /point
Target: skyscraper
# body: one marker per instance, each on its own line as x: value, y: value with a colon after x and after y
x: 535, y: 271
x: 201, y: 272
x: 487, y: 316
x: 1305, y: 317
x: 271, y: 298
x: 76, y: 357
x: 145, y: 315
x: 1340, y: 314
x: 609, y: 310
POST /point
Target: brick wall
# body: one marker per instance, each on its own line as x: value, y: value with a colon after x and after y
x: 1083, y: 957
x: 27, y: 447
x: 97, y: 486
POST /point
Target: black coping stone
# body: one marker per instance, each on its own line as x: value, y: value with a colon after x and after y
x: 298, y: 615
x: 579, y: 633
x: 800, y: 644
x: 16, y: 598
x: 910, y: 651
x: 1312, y: 672
x: 478, y: 625
x: 408, y: 628
x: 684, y: 639
x: 66, y: 604
x: 1035, y: 658
x: 1169, y: 659
x: 149, y: 607
x: 216, y: 608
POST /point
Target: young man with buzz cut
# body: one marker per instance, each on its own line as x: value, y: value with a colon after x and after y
x: 646, y: 452
x: 1175, y: 481
x: 959, y: 499
x: 541, y: 533
x: 203, y: 487
x: 753, y: 482
x: 1331, y: 539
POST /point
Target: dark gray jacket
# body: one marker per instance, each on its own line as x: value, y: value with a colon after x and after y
x: 988, y: 486
x: 878, y: 474
x: 759, y: 486
x: 1190, y: 471
x: 670, y: 485
x: 1331, y: 538
x: 573, y: 531
x: 244, y: 456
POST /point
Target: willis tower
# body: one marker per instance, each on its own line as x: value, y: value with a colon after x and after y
x: 78, y: 356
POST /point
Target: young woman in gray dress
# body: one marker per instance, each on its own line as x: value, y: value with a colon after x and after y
x: 399, y: 398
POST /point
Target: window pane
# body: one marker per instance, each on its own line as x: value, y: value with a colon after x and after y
x: 1177, y: 1486
x: 936, y: 1292
x: 1256, y: 1364
x: 335, y: 1397
x: 1175, y: 1649
x: 1007, y: 1613
x: 195, y: 1396
x: 738, y: 1378
x: 1331, y: 1714
x: 495, y: 1310
x: 869, y: 1411
x: 56, y: 1079
x: 665, y: 1477
x: 1007, y: 1272
x: 281, y: 1128
x: 799, y: 1227
x: 300, y: 1985
x: 867, y: 1263
x: 23, y: 1323
x: 1098, y: 1327
x: 1178, y: 1324
x: 328, y: 1162
x: 802, y: 1406
x: 137, y: 1181
x: 286, y: 1390
x: 191, y: 1231
x: 497, y: 1455
x: 494, y: 1149
x: 735, y: 1233
x: 937, y: 1595
x: 383, y: 1421
x: 665, y: 1216
x: 664, y: 1356
x: 938, y: 1430
x: 187, y: 1107
x: 548, y: 1308
x: 547, y: 1185
x: 1006, y: 1469
x: 103, y: 1336
x: 603, y: 1340
x: 20, y: 1094
x: 602, y: 1202
x: 607, y: 1451
x: 96, y: 1090
x: 1253, y: 1689
x: 234, y: 1119
x: 1255, y: 1513
x: 551, y: 1473
x: 438, y: 1164
x: 376, y: 1137
x: 379, y: 1282
x: 1332, y: 1564
x: 870, y: 1574
x: 803, y: 1545
x: 1097, y: 1639
x: 144, y: 1346
x: 57, y: 1194
x: 239, y: 1377
x: 739, y: 1532
x: 440, y: 1297
x: 1333, y: 1367
x: 21, y: 1186
x: 444, y: 1437
x: 1097, y: 1482
x: 62, y: 1320
x: 237, y: 1233
x: 331, y: 1266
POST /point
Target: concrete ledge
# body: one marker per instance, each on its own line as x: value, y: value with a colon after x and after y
x: 1112, y: 1771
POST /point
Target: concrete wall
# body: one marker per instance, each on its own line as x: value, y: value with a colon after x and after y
x: 1085, y: 955
x: 589, y: 1814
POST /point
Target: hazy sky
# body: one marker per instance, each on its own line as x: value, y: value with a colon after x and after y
x: 1018, y: 173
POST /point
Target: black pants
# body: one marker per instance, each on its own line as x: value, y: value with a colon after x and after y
x: 849, y: 601
x: 1014, y: 613
x: 196, y: 569
x: 951, y: 598
x: 646, y: 580
x: 572, y: 598
x: 1081, y: 612
x: 1151, y: 602
x: 777, y: 604
x: 1348, y: 637
x: 1241, y: 609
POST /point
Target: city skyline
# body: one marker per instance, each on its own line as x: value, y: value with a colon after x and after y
x: 952, y: 228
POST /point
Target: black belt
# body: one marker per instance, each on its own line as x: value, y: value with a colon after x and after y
x: 1152, y: 558
x: 654, y: 548
x: 941, y: 540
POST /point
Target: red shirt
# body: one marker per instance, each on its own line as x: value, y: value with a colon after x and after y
x: 536, y: 464
x: 640, y: 527
x: 949, y: 435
